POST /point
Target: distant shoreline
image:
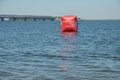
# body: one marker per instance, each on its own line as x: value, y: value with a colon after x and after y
x: 30, y: 18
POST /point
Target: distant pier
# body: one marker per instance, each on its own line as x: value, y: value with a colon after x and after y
x: 26, y: 18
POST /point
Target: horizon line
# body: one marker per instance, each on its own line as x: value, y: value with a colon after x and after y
x: 52, y: 16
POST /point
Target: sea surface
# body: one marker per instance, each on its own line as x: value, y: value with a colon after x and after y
x: 38, y: 50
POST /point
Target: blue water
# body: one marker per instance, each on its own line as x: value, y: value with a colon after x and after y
x: 38, y: 50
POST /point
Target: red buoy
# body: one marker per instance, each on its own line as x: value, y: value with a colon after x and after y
x: 69, y: 24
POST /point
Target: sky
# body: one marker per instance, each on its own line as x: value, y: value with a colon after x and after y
x: 85, y: 9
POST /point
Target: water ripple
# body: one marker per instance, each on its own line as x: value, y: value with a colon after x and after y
x: 38, y: 51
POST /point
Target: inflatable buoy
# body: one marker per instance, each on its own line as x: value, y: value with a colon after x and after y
x: 69, y: 23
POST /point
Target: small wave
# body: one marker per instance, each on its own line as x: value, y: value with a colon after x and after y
x: 50, y: 55
x: 116, y: 58
x: 5, y: 74
x: 42, y: 78
x: 108, y: 71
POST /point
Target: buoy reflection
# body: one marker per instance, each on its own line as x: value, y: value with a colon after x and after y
x: 68, y: 47
x: 69, y: 34
x: 69, y: 38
